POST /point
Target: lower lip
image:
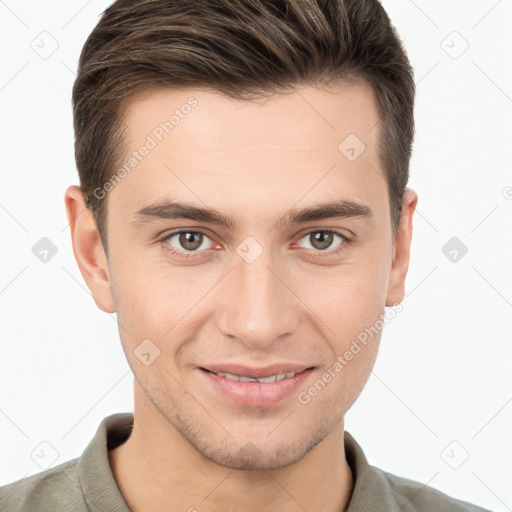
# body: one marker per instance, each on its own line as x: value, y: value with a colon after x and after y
x: 257, y: 394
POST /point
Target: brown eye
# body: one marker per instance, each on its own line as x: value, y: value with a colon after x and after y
x: 321, y: 239
x: 324, y: 241
x: 190, y: 240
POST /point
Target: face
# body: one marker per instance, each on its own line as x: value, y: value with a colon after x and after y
x: 223, y: 259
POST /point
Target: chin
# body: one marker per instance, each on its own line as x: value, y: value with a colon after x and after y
x: 251, y: 458
x: 263, y: 453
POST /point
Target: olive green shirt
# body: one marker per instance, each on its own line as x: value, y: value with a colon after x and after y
x: 88, y: 484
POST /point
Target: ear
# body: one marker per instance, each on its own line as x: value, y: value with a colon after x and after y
x: 401, y: 250
x: 88, y: 249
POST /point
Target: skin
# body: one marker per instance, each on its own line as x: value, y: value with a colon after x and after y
x: 253, y: 161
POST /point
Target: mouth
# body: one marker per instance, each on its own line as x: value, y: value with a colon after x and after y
x: 248, y: 378
x: 255, y: 387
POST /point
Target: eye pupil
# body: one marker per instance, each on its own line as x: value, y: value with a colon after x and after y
x: 322, y: 239
x: 189, y: 240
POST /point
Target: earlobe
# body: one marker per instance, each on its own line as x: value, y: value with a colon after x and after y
x: 88, y: 249
x: 402, y: 250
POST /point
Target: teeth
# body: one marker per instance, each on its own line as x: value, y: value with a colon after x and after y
x: 247, y: 379
x: 270, y: 378
x: 229, y: 376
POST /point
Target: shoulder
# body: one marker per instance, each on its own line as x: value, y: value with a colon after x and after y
x: 57, y: 488
x: 414, y: 496
x: 379, y: 490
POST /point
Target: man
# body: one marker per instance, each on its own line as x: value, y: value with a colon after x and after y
x: 243, y: 209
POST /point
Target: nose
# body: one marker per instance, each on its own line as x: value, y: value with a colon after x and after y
x: 258, y: 307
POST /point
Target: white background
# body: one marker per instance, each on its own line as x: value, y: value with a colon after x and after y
x: 444, y: 369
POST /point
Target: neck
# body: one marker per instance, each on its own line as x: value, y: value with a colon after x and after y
x: 158, y: 469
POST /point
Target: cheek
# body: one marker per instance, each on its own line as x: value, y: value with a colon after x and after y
x: 346, y: 298
x: 143, y: 301
x: 160, y: 303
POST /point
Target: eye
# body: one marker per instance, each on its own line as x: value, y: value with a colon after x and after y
x: 187, y: 241
x: 322, y: 240
x: 192, y: 242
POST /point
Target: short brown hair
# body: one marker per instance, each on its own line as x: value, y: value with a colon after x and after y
x: 243, y: 49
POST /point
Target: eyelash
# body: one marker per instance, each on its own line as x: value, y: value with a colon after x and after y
x: 191, y: 254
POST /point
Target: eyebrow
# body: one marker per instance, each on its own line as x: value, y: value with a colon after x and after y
x: 178, y: 210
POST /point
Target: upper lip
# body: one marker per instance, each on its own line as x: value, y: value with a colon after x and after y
x: 250, y: 371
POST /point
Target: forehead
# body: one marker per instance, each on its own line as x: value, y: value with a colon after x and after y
x: 205, y: 144
x: 298, y: 117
